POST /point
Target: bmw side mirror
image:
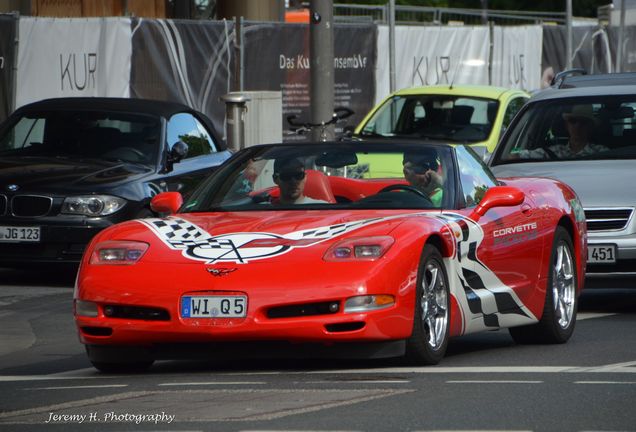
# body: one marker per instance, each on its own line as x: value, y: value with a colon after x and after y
x: 178, y: 151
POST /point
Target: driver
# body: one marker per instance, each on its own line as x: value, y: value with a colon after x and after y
x: 421, y: 170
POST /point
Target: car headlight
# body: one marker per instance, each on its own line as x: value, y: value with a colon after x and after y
x: 118, y: 252
x: 92, y: 205
x: 359, y: 249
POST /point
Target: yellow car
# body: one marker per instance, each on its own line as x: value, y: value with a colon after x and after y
x: 467, y: 114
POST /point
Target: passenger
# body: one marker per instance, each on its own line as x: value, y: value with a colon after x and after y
x: 421, y: 171
x: 289, y: 175
x: 580, y: 123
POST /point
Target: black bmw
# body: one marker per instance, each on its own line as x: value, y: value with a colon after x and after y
x: 70, y: 167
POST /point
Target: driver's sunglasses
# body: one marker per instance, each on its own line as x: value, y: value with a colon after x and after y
x: 421, y: 168
x: 289, y: 176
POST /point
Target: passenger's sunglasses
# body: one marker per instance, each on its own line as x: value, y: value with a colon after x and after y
x: 421, y: 168
x: 298, y: 176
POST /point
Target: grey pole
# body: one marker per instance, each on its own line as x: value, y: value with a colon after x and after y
x: 322, y: 72
x: 621, y: 35
x: 568, y: 37
x: 235, y: 108
x: 392, y: 46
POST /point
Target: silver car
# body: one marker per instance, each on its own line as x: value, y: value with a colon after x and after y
x: 585, y: 136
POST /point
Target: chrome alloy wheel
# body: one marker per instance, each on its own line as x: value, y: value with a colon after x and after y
x: 434, y: 304
x: 563, y: 285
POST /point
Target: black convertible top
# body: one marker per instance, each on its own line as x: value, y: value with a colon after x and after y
x: 129, y: 105
x: 156, y: 107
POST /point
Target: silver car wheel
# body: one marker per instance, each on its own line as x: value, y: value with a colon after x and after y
x: 563, y: 286
x: 434, y: 304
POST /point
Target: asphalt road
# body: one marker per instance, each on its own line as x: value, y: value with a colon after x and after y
x: 485, y: 383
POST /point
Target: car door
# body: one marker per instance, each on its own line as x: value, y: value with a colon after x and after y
x: 203, y: 155
x: 505, y: 255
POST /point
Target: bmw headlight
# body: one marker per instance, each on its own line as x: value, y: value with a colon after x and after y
x: 92, y: 205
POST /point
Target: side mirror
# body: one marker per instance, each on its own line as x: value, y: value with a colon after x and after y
x: 178, y: 151
x: 166, y: 202
x: 498, y: 196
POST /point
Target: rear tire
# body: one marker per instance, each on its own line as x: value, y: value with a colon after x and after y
x: 431, y: 319
x: 561, y: 303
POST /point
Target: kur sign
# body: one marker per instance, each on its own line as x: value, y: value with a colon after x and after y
x: 78, y: 70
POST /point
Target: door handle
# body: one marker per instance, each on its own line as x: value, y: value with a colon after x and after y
x: 526, y: 209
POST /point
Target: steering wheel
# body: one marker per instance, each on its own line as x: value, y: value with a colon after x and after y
x: 406, y: 188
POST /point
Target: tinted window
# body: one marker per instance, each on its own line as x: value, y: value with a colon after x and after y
x: 581, y: 128
x: 474, y: 176
x: 513, y: 108
x: 187, y: 128
x: 85, y: 134
x: 463, y: 119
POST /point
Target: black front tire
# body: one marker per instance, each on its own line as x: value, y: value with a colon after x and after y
x: 559, y: 311
x: 431, y: 319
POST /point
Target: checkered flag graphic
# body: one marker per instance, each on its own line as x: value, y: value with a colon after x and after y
x: 180, y: 233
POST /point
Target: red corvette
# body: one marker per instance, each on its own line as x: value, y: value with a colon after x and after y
x: 370, y: 249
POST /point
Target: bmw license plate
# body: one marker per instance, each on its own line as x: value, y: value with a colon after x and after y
x: 601, y: 253
x: 213, y: 306
x: 19, y: 234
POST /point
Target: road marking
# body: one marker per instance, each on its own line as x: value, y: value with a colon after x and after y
x: 493, y: 382
x: 604, y: 382
x: 78, y: 387
x: 356, y: 381
x: 591, y: 315
x: 213, y: 383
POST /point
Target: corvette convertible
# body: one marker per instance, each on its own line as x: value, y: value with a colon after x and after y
x: 304, y: 250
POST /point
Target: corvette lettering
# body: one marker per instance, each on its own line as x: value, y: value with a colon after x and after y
x: 515, y: 230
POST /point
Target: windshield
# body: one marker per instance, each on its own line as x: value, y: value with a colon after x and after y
x: 570, y: 129
x: 332, y: 175
x: 439, y: 117
x: 84, y: 134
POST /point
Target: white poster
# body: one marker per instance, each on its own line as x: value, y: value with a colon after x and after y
x: 60, y: 57
x: 433, y: 55
x: 516, y: 60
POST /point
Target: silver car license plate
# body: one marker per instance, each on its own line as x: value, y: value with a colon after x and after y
x: 19, y: 234
x: 601, y: 253
x: 213, y: 306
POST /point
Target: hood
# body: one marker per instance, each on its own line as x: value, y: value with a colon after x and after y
x: 598, y: 183
x: 55, y: 173
x: 285, y: 222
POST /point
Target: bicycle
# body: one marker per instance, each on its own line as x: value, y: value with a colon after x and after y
x: 299, y: 128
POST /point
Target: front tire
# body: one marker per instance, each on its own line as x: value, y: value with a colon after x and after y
x: 561, y: 303
x: 431, y: 319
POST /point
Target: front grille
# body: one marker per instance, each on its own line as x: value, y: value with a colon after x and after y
x: 3, y: 204
x: 607, y: 219
x: 136, y: 312
x: 30, y: 205
x: 306, y: 309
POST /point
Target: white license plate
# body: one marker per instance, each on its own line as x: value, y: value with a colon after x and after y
x: 18, y: 234
x: 601, y: 254
x: 213, y: 306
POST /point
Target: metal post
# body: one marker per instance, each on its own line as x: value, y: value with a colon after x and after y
x: 237, y: 80
x: 484, y: 12
x: 568, y: 37
x: 491, y: 49
x: 621, y: 35
x: 322, y: 71
x: 392, y: 46
x: 235, y: 109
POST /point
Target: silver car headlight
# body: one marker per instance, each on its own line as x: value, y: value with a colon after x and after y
x: 92, y: 205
